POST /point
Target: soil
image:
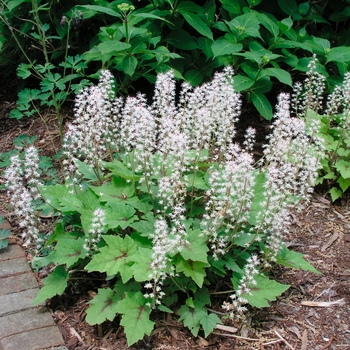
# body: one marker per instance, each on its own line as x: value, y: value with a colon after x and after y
x: 313, y: 314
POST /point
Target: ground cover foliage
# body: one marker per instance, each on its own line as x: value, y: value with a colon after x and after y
x: 163, y: 201
x: 64, y: 46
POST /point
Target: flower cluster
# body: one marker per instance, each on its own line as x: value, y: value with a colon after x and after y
x: 93, y: 236
x: 309, y: 95
x: 22, y: 181
x: 247, y: 282
x: 93, y: 128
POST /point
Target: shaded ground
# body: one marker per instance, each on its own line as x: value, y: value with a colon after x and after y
x: 321, y: 232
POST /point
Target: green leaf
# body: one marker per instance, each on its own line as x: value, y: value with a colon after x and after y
x: 231, y: 6
x: 289, y: 7
x: 197, y: 181
x: 194, y: 77
x: 197, y: 248
x: 222, y: 47
x: 282, y: 75
x: 246, y: 25
x: 269, y: 24
x: 118, y: 190
x: 191, y: 317
x: 4, y: 233
x: 294, y: 260
x: 135, y: 317
x: 119, y: 215
x: 86, y: 170
x: 68, y: 250
x: 242, y: 83
x: 209, y: 323
x: 262, y: 104
x: 195, y: 22
x: 115, y: 257
x: 335, y: 193
x: 58, y: 197
x: 264, y: 291
x: 258, y: 198
x: 142, y: 262
x: 11, y: 5
x: 338, y: 54
x: 119, y: 169
x: 343, y: 167
x: 54, y: 284
x: 344, y: 183
x: 180, y: 39
x: 91, y: 10
x: 128, y: 65
x: 112, y: 46
x: 23, y: 70
x: 193, y: 269
x: 102, y: 307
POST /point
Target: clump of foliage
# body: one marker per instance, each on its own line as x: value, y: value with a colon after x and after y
x: 264, y: 41
x: 336, y: 132
x: 163, y: 201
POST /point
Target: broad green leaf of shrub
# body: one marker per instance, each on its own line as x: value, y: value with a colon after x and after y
x: 102, y: 307
x: 115, y: 257
x: 91, y: 10
x: 135, y: 319
x: 282, y: 75
x: 294, y: 260
x: 269, y: 24
x: 128, y: 65
x: 246, y: 25
x: 223, y: 46
x: 343, y: 167
x: 54, y: 284
x: 264, y: 291
x: 197, y: 248
x: 195, y: 22
x: 289, y: 7
x: 242, y: 83
x: 112, y: 46
x: 194, y: 77
x: 262, y: 104
x: 180, y: 39
x: 338, y: 54
x: 193, y: 269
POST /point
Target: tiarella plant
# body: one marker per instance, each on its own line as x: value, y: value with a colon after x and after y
x: 162, y: 201
x: 336, y: 132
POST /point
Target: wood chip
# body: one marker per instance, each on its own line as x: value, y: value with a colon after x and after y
x: 226, y: 328
x: 304, y: 340
x: 323, y: 303
x: 330, y: 241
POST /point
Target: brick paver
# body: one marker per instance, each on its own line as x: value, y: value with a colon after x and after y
x: 22, y: 326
